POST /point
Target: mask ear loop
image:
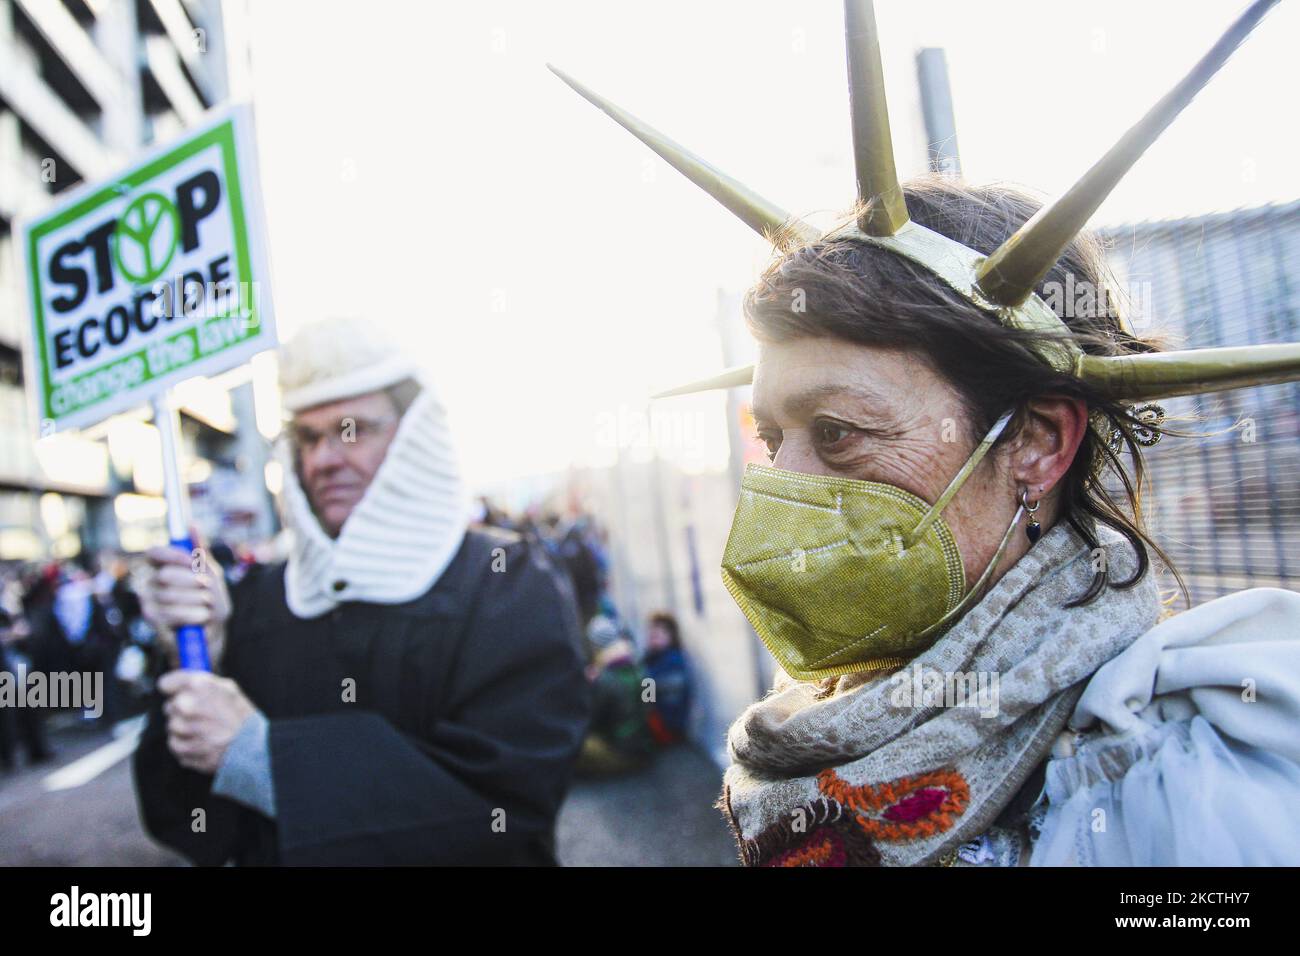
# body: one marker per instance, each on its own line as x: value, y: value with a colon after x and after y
x: 953, y: 487
x: 961, y: 605
x: 958, y: 480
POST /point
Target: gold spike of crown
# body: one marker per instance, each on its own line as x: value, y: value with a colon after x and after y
x: 1004, y: 281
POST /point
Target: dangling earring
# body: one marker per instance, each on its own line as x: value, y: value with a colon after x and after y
x: 1033, y: 530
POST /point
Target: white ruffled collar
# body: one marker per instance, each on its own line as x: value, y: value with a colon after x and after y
x: 402, y: 534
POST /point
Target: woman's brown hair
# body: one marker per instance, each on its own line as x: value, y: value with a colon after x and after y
x: 851, y: 290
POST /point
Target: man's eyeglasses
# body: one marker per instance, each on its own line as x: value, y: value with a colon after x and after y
x: 349, y: 433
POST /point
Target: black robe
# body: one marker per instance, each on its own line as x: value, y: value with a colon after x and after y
x: 470, y: 706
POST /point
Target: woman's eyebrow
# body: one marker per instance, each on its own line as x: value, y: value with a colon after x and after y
x: 809, y: 399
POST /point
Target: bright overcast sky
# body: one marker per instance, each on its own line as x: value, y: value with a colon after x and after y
x: 422, y: 169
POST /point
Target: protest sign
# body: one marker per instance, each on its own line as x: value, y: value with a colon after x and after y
x: 155, y: 275
x: 134, y: 283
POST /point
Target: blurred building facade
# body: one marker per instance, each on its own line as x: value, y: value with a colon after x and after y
x: 84, y: 85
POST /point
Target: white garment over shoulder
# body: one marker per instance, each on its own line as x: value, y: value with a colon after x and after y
x: 1186, y: 746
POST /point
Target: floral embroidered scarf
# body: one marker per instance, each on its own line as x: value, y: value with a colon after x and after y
x: 902, y: 768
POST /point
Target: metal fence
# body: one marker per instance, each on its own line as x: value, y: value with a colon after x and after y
x: 1226, y: 507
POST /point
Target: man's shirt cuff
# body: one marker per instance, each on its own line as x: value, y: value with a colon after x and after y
x: 245, y: 771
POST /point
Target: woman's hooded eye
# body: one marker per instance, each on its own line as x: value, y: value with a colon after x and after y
x: 829, y: 434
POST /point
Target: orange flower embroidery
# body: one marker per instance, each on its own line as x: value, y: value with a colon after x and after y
x: 910, y: 808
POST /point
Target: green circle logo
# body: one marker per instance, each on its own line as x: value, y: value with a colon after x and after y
x: 145, y: 239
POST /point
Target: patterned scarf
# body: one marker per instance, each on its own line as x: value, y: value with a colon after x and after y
x: 901, y: 769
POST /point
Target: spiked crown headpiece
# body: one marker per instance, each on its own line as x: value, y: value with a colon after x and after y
x: 1003, y: 281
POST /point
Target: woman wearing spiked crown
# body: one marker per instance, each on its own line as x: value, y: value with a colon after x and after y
x: 974, y: 669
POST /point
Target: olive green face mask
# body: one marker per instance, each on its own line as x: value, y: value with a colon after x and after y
x: 838, y: 575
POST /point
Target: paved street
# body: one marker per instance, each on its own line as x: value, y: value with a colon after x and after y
x: 94, y: 824
x: 662, y: 816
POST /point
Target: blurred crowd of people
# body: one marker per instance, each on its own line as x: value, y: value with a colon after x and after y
x: 642, y: 690
x: 81, y: 615
x: 84, y: 615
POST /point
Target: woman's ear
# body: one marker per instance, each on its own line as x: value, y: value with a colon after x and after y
x: 1053, y: 429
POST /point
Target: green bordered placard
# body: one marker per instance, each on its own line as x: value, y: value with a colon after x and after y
x: 155, y: 275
